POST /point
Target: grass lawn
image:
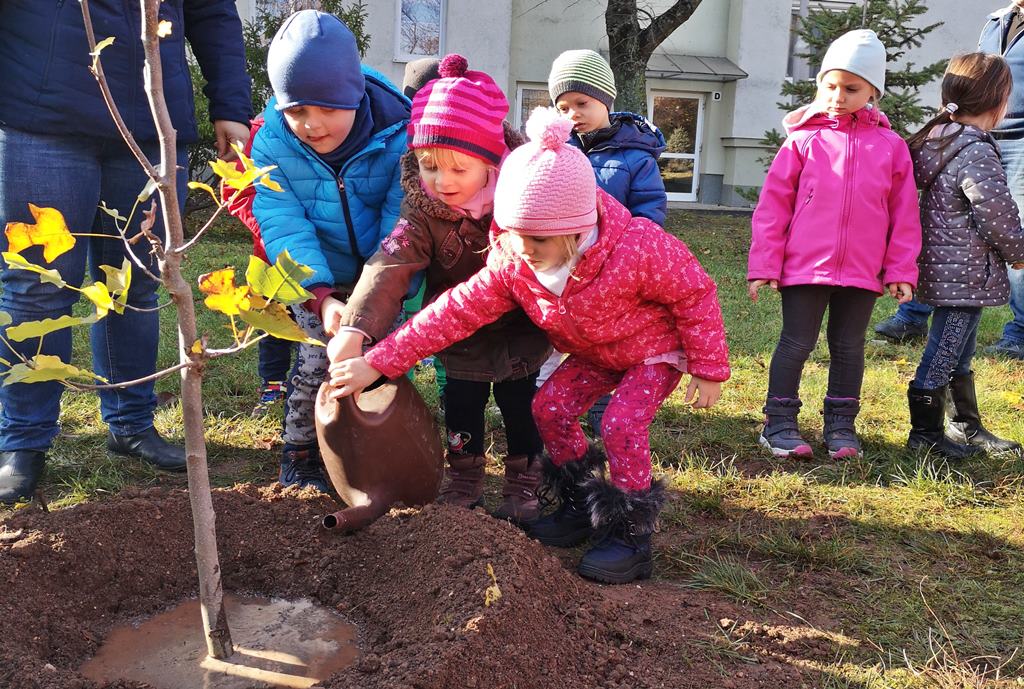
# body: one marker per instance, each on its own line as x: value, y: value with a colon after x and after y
x: 919, y: 564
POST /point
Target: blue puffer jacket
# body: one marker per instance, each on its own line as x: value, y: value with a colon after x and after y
x: 46, y: 86
x: 311, y: 217
x: 625, y: 160
x: 992, y: 40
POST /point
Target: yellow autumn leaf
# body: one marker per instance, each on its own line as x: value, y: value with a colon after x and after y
x: 270, y: 184
x: 49, y: 275
x: 222, y: 294
x: 27, y: 329
x: 197, y: 347
x: 207, y: 188
x: 99, y: 49
x: 99, y: 295
x: 45, y: 367
x: 274, y: 319
x: 5, y: 318
x: 49, y: 231
x: 164, y: 28
x: 240, y: 152
x: 492, y: 594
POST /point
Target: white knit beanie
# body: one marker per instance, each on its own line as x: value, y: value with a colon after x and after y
x: 858, y: 52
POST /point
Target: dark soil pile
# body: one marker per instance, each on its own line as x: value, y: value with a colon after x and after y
x: 414, y: 583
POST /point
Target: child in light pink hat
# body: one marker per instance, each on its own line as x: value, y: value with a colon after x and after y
x: 627, y: 301
x: 458, y: 136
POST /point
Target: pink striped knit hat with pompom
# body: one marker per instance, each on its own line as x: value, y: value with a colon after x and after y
x: 546, y: 187
x: 463, y: 111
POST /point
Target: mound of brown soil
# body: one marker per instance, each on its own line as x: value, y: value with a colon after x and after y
x: 414, y: 583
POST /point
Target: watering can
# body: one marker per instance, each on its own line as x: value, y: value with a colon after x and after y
x: 383, y: 449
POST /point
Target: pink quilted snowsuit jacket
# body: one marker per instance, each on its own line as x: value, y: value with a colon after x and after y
x: 636, y: 293
x: 839, y: 205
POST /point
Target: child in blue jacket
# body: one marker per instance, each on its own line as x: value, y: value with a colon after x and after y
x: 623, y: 149
x: 336, y: 131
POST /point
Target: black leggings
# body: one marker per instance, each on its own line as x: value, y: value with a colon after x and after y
x: 465, y: 402
x: 803, y: 307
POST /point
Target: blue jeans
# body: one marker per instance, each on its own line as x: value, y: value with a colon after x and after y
x: 914, y: 312
x: 275, y: 358
x: 952, y: 339
x: 1012, y: 153
x: 73, y: 174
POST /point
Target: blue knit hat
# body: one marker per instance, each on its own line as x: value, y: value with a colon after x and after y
x: 314, y: 60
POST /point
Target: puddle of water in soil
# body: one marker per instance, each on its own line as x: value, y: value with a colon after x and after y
x: 277, y: 643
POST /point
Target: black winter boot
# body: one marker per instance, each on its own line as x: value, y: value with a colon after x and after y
x: 569, y: 525
x: 965, y: 422
x: 148, y: 446
x: 781, y: 435
x: 927, y: 424
x: 20, y: 471
x: 840, y: 434
x: 626, y: 519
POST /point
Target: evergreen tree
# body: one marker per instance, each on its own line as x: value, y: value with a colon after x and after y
x: 894, y: 22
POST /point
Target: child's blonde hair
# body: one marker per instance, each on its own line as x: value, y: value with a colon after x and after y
x: 568, y: 246
x: 448, y: 158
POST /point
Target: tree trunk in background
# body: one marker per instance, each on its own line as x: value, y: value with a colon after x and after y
x: 630, y: 47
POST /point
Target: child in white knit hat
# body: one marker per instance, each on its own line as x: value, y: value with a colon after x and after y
x: 836, y: 225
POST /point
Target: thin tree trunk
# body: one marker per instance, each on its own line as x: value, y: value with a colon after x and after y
x: 211, y: 593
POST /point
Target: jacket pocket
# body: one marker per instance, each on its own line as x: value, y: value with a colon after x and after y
x: 802, y: 207
x: 450, y: 250
x: 54, y: 28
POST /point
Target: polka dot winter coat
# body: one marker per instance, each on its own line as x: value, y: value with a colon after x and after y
x: 971, y: 224
x: 636, y: 293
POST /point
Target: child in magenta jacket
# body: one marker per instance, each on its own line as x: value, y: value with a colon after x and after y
x: 627, y: 301
x: 836, y: 225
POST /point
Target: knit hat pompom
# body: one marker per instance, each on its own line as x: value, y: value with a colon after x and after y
x: 546, y: 187
x: 453, y: 66
x: 548, y: 127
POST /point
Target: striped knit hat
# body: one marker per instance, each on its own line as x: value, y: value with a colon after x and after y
x: 582, y: 71
x: 546, y: 187
x: 463, y: 111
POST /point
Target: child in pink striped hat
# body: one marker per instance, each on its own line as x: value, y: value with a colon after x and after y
x: 459, y: 137
x: 626, y: 300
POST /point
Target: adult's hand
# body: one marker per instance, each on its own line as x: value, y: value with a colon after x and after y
x: 228, y: 132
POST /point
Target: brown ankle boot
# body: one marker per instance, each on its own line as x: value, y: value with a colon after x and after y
x: 519, y: 494
x: 465, y: 484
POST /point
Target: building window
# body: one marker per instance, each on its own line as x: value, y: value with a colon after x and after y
x: 528, y: 97
x: 419, y: 29
x: 286, y: 7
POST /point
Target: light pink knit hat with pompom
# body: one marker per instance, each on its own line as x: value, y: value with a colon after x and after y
x: 546, y: 187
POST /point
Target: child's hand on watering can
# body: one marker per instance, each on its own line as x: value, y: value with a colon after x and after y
x: 347, y: 344
x: 902, y: 292
x: 351, y: 376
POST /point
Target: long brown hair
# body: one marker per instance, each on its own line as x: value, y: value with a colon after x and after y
x: 978, y: 83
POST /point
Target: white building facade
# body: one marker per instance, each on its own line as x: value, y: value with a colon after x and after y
x: 712, y: 85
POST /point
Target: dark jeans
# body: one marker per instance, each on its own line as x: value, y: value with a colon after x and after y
x: 803, y: 308
x: 73, y: 174
x: 465, y: 402
x: 275, y: 359
x: 951, y: 343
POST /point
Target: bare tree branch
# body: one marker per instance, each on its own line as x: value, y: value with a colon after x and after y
x: 662, y: 26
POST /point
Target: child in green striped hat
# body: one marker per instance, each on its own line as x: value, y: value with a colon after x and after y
x: 623, y: 149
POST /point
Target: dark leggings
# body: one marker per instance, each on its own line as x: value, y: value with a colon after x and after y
x: 465, y: 402
x: 803, y: 307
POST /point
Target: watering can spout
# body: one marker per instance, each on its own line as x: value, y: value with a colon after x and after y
x: 354, y: 518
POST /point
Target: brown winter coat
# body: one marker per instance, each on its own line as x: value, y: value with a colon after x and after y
x: 451, y: 247
x: 970, y: 222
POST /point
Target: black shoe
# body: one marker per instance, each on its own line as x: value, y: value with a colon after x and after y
x: 627, y: 519
x: 901, y: 331
x: 20, y: 471
x: 965, y: 425
x: 301, y: 466
x: 927, y: 424
x: 570, y: 524
x: 149, y: 447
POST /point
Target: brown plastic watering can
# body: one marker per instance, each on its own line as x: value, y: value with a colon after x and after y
x: 379, y: 451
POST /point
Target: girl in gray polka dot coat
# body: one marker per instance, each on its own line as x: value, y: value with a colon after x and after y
x: 971, y: 231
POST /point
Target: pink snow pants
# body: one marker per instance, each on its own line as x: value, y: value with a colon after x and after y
x: 575, y: 386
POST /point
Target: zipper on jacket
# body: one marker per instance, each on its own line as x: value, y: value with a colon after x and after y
x: 851, y: 160
x: 351, y: 228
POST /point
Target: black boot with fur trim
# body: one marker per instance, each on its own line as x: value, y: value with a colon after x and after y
x: 569, y: 525
x: 626, y: 519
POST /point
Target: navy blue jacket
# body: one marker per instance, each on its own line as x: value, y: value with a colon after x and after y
x: 625, y: 161
x: 46, y: 86
x: 992, y: 40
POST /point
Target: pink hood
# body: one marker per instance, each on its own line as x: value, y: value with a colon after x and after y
x: 636, y: 293
x: 839, y: 205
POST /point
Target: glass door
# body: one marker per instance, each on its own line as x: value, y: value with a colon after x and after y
x: 680, y: 117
